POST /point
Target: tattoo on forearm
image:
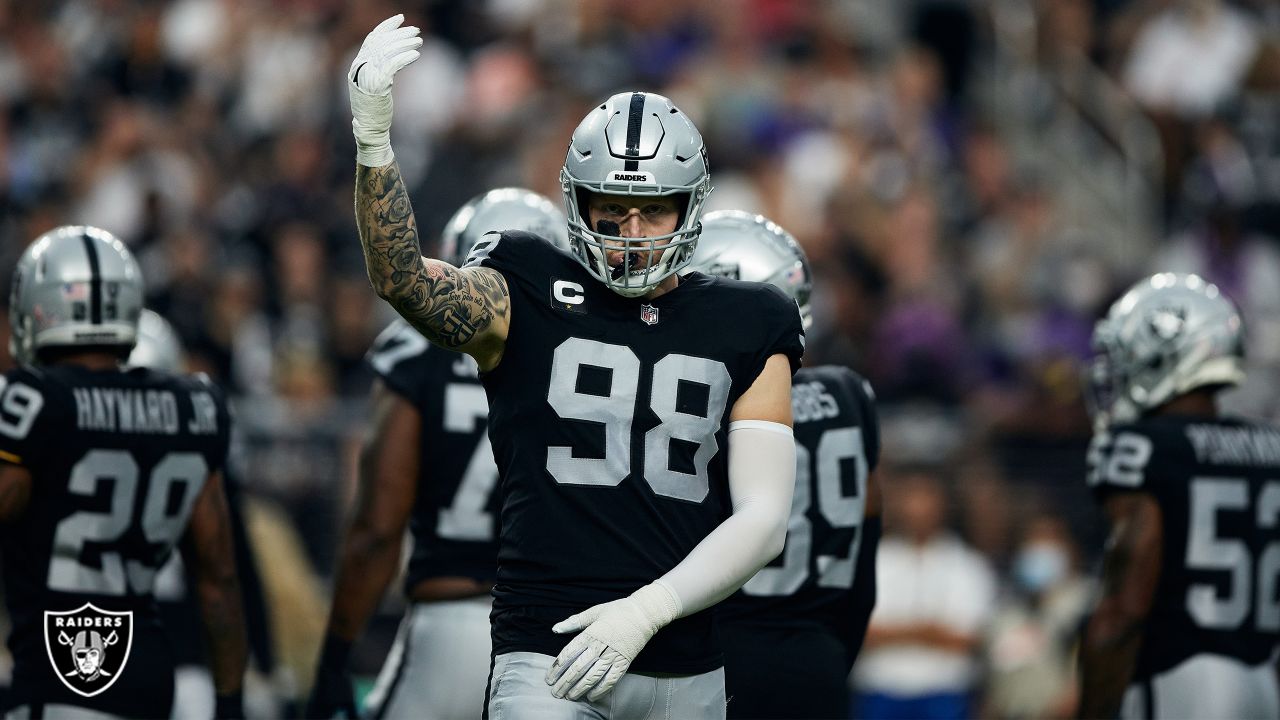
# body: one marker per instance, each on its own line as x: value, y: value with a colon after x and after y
x: 450, y: 307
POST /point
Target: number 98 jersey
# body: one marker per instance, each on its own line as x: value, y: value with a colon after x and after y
x: 1217, y: 483
x: 609, y: 423
x: 117, y: 460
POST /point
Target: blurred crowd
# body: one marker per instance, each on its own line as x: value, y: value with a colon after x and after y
x: 974, y: 181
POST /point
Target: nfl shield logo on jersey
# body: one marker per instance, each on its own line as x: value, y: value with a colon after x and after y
x: 88, y: 647
x: 649, y: 314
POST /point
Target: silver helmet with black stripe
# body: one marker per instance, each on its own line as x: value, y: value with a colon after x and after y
x: 74, y: 286
x: 637, y: 144
x: 746, y: 246
x: 1168, y: 335
x: 509, y: 208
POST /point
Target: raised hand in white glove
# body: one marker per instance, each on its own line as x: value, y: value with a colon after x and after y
x: 613, y: 634
x: 386, y: 51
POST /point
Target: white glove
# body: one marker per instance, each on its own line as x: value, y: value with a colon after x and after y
x: 613, y: 634
x: 386, y: 51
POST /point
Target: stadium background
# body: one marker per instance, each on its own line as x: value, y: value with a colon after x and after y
x: 974, y: 181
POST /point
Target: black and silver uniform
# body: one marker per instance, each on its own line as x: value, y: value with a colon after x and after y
x: 1217, y: 482
x: 453, y: 522
x: 117, y: 461
x: 803, y: 616
x: 609, y: 423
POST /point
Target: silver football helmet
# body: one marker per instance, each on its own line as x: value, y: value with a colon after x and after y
x: 158, y: 345
x: 75, y: 286
x: 745, y: 246
x: 635, y: 143
x: 509, y: 208
x: 1165, y: 337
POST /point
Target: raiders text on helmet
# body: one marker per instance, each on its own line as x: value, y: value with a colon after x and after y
x: 751, y: 247
x: 635, y: 144
x: 1167, y: 336
x: 74, y: 286
x: 509, y: 208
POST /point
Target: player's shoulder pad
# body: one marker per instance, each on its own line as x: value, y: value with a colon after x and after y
x: 1128, y: 456
x: 29, y: 375
x: 765, y: 305
x: 507, y: 248
x: 403, y: 358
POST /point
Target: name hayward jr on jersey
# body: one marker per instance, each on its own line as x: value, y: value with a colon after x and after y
x: 115, y: 462
x: 804, y: 615
x: 1190, y: 620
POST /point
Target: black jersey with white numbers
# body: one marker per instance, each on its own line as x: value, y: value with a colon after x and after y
x: 1217, y: 483
x: 609, y: 421
x: 117, y: 461
x: 813, y: 583
x: 453, y: 527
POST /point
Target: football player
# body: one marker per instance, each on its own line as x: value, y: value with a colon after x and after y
x: 1189, y: 619
x: 644, y: 450
x: 427, y: 400
x: 800, y: 621
x: 102, y: 471
x: 159, y: 348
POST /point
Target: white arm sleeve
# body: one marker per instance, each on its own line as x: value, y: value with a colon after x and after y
x: 762, y: 476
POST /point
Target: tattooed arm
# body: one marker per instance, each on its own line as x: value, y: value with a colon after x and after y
x: 1131, y: 571
x: 464, y: 309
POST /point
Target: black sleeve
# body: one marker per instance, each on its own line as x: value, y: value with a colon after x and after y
x: 398, y: 357
x: 251, y: 592
x: 782, y: 331
x: 861, y: 390
x: 863, y: 595
x: 27, y: 416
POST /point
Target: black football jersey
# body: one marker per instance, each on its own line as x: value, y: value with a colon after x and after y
x: 117, y: 461
x: 1217, y: 482
x: 609, y: 422
x: 813, y: 582
x: 453, y: 524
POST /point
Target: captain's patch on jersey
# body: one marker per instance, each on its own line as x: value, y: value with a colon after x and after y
x: 88, y: 647
x: 568, y: 295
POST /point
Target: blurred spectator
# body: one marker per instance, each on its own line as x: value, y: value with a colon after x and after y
x: 1191, y: 56
x: 1030, y: 648
x: 935, y: 594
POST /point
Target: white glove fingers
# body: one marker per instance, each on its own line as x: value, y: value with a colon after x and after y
x: 389, y: 24
x: 580, y: 667
x: 399, y: 62
x: 590, y: 679
x: 574, y: 623
x: 399, y: 34
x: 570, y: 653
x: 616, y: 671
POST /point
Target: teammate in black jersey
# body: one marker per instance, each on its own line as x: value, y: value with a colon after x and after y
x: 427, y: 466
x: 798, y: 624
x: 159, y: 348
x: 103, y: 471
x: 1189, y: 623
x: 644, y: 447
